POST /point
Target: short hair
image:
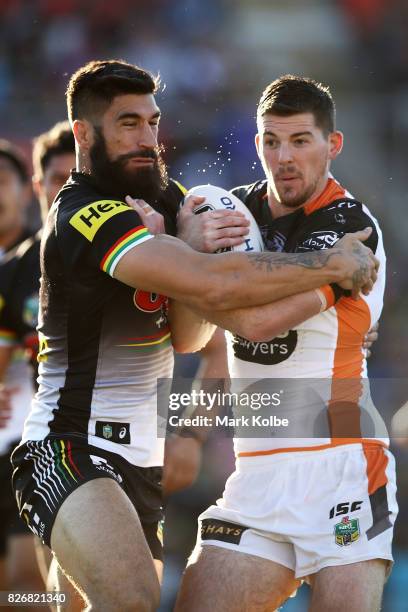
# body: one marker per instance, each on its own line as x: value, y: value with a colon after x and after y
x: 92, y: 88
x: 292, y: 95
x: 16, y: 158
x: 57, y: 141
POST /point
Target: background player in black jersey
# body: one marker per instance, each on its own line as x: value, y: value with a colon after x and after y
x: 53, y: 158
x: 101, y: 519
x: 296, y: 142
x: 18, y: 569
x: 15, y: 196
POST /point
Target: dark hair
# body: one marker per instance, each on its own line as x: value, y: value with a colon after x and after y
x: 57, y: 141
x: 291, y: 95
x: 16, y: 158
x: 93, y: 87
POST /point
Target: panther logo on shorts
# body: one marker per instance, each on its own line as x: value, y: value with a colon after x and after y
x: 347, y: 532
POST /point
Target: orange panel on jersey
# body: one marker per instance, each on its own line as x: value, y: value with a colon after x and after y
x: 353, y: 319
x: 332, y: 191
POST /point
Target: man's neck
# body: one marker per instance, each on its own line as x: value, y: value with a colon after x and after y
x: 280, y: 210
x: 83, y: 163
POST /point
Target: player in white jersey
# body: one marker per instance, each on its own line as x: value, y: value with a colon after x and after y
x: 315, y: 501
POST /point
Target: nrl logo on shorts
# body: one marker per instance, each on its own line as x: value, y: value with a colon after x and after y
x: 107, y: 431
x: 347, y: 532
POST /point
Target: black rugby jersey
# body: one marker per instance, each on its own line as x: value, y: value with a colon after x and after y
x: 103, y: 344
x: 19, y: 281
x: 19, y: 285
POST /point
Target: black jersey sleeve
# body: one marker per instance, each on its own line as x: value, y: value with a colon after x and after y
x: 99, y: 232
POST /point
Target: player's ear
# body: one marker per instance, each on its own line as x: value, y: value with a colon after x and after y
x: 37, y: 186
x: 335, y: 144
x: 83, y: 133
x: 257, y: 141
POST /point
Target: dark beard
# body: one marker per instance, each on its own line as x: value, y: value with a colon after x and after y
x: 114, y: 180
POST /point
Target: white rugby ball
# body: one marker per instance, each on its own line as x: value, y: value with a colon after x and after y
x: 217, y: 198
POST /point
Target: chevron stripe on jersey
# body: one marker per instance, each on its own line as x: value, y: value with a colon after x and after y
x: 123, y: 245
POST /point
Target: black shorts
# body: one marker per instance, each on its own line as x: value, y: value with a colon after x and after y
x: 10, y: 522
x: 47, y: 471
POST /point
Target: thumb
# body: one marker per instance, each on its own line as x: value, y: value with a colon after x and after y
x: 191, y: 201
x: 363, y: 234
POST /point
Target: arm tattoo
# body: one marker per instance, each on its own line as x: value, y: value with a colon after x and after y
x: 314, y: 260
x: 360, y: 275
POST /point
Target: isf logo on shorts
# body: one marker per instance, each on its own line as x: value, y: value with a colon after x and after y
x: 347, y: 532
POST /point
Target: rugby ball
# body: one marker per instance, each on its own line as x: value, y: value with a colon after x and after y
x: 217, y: 198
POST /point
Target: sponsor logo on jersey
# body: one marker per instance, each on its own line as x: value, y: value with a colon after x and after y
x: 90, y: 219
x: 319, y: 241
x: 213, y: 529
x: 148, y: 302
x: 268, y: 353
x: 112, y: 431
x: 347, y: 532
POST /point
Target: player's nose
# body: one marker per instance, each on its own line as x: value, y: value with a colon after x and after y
x: 147, y: 137
x: 285, y: 153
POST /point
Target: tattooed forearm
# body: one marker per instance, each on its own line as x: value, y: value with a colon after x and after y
x: 314, y: 260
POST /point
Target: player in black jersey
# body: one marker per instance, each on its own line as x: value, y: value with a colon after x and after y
x: 18, y: 569
x: 87, y: 474
x: 15, y: 196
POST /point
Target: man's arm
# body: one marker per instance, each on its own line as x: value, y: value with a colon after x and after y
x: 182, y: 458
x: 168, y: 266
x: 190, y: 332
x: 262, y: 323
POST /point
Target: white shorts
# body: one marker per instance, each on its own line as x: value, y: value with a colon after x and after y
x: 308, y: 510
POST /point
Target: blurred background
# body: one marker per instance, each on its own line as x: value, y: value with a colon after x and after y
x: 215, y: 58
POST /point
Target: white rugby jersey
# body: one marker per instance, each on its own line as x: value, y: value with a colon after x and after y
x: 329, y: 403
